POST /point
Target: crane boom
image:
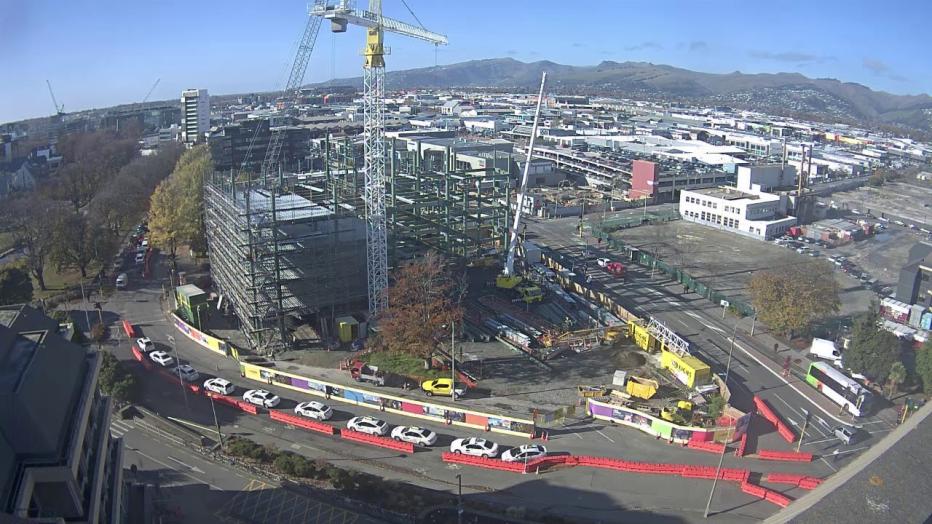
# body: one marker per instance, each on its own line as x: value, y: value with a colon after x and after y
x: 513, y: 239
x: 341, y: 14
x: 151, y: 89
x: 59, y: 109
x: 292, y: 88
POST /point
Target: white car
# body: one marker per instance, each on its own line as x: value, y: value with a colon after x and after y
x: 162, y: 358
x: 315, y: 410
x: 475, y: 446
x: 602, y: 262
x: 261, y: 397
x: 220, y: 385
x: 372, y: 426
x: 140, y: 258
x: 145, y: 344
x: 144, y: 243
x: 415, y: 435
x: 187, y: 373
x: 524, y: 453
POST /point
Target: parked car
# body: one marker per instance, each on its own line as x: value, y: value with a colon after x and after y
x: 144, y: 344
x: 121, y: 280
x: 140, y: 258
x: 443, y: 387
x: 478, y: 447
x: 524, y: 453
x: 187, y: 373
x: 261, y: 397
x: 220, y: 385
x: 162, y: 358
x: 415, y: 435
x: 602, y: 262
x: 369, y: 425
x: 315, y: 410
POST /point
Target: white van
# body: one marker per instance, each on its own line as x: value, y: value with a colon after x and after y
x: 825, y: 349
x: 121, y: 281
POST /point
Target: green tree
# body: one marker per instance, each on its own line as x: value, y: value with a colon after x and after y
x: 873, y: 350
x: 77, y: 243
x: 896, y: 376
x: 176, y: 213
x: 33, y: 223
x: 15, y: 285
x: 789, y: 300
x: 924, y: 366
x: 114, y: 380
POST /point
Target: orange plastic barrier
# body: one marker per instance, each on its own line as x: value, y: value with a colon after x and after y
x: 138, y: 354
x: 788, y: 456
x: 742, y: 446
x: 786, y: 432
x: 810, y: 483
x: 764, y: 410
x: 777, y: 498
x: 754, y: 489
x: 784, y: 478
x: 223, y: 399
x: 735, y: 475
x: 302, y: 422
x: 252, y: 409
x: 194, y: 388
x: 482, y: 462
x: 711, y: 447
x: 698, y: 472
x: 129, y: 330
x: 382, y: 442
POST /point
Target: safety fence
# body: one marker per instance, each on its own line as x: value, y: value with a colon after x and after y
x: 711, y: 447
x: 375, y: 440
x: 742, y: 446
x: 764, y: 409
x: 785, y: 456
x: 302, y: 422
x: 766, y: 494
x: 129, y: 330
x: 795, y: 479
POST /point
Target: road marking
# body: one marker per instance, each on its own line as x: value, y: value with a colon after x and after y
x: 120, y: 428
x: 296, y: 446
x: 836, y: 452
x: 192, y: 468
x: 577, y: 435
x: 809, y: 428
x: 157, y: 461
x: 192, y: 424
x: 716, y: 328
x: 829, y: 439
x: 827, y: 464
x: 695, y: 316
x: 604, y: 435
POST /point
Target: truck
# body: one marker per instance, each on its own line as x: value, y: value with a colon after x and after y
x: 362, y: 372
x: 825, y: 349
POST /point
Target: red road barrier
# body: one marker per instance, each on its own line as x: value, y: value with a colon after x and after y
x: 784, y: 478
x: 698, y: 472
x: 754, y: 489
x: 129, y: 330
x: 742, y: 445
x: 735, y: 475
x: 382, y: 442
x: 482, y: 462
x: 138, y: 354
x: 777, y: 498
x: 810, y: 483
x: 788, y: 456
x: 194, y: 388
x: 247, y: 407
x: 711, y: 447
x: 223, y: 399
x: 302, y: 422
x: 764, y: 409
x: 786, y: 432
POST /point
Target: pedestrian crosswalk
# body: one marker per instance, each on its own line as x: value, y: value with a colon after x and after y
x: 118, y: 428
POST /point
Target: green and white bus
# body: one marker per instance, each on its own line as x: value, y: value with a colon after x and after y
x: 840, y: 388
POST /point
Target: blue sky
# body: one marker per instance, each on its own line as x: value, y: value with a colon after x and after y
x: 99, y: 53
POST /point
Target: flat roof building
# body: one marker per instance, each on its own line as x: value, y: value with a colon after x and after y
x: 57, y: 458
x: 757, y: 215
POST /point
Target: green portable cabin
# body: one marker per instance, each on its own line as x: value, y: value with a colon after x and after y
x: 190, y: 298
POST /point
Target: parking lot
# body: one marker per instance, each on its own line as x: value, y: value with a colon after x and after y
x: 907, y: 201
x: 726, y: 262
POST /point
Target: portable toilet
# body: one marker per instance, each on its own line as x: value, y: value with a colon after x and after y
x: 347, y: 328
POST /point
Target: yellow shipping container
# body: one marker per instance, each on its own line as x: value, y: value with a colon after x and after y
x: 347, y: 328
x: 687, y: 369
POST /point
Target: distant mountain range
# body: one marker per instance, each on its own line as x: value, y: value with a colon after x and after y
x: 787, y: 94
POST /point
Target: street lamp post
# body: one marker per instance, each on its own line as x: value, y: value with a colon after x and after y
x: 87, y: 317
x: 721, y: 458
x: 171, y: 280
x: 453, y: 360
x: 459, y: 499
x: 184, y: 390
x: 216, y: 422
x: 200, y: 326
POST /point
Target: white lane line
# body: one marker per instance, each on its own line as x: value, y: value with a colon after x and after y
x: 716, y: 329
x: 192, y: 468
x: 836, y: 452
x: 577, y: 435
x: 791, y: 386
x: 829, y: 439
x: 695, y: 316
x: 604, y: 435
x: 157, y: 461
x: 810, y: 427
x: 827, y: 464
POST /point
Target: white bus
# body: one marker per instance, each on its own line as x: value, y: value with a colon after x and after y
x: 838, y: 387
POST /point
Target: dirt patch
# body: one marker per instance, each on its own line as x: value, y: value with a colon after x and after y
x: 629, y: 359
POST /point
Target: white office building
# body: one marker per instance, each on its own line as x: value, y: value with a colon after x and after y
x: 195, y: 115
x: 758, y: 215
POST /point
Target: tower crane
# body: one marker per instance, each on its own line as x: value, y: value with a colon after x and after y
x: 341, y: 15
x: 59, y: 109
x: 509, y: 279
x: 151, y: 89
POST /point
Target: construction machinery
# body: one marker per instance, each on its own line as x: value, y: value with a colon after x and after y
x: 639, y: 387
x: 341, y: 15
x: 59, y: 109
x: 509, y: 279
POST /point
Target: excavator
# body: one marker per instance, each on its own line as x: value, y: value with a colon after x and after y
x: 509, y: 279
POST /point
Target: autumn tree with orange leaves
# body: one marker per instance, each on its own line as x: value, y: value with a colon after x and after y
x: 423, y: 300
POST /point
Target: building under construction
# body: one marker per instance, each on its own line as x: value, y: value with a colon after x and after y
x: 289, y: 252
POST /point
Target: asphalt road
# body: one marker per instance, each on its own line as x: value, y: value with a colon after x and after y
x: 588, y: 493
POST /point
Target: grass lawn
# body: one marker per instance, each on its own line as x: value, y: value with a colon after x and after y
x: 402, y: 364
x: 58, y: 281
x: 6, y: 241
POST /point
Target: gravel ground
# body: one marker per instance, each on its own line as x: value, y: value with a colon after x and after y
x: 905, y: 200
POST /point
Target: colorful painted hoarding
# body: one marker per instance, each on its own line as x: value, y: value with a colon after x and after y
x: 653, y: 425
x: 212, y: 343
x: 383, y: 402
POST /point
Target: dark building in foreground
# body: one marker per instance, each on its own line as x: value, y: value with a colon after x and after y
x: 915, y: 285
x: 58, y: 462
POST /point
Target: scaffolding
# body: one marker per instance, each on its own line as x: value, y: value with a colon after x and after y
x: 284, y: 252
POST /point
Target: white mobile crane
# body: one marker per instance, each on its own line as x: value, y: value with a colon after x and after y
x: 509, y: 279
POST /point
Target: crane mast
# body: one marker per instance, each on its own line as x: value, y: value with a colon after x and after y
x: 509, y: 270
x: 340, y: 15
